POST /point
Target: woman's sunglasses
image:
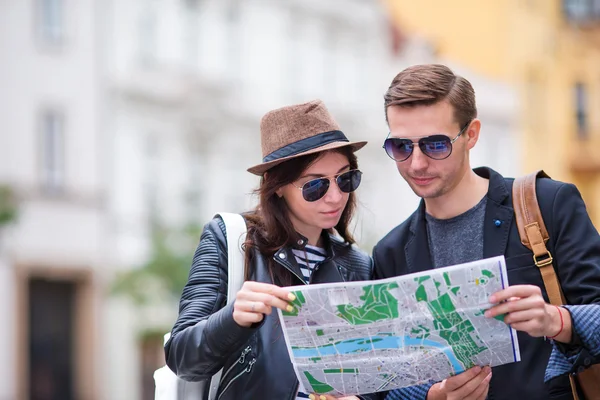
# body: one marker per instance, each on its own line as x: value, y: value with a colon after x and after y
x: 315, y: 189
x: 437, y: 147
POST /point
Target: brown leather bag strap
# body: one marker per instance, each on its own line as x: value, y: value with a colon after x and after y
x: 534, y: 236
x: 533, y: 232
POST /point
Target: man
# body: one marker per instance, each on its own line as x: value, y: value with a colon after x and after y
x: 467, y: 215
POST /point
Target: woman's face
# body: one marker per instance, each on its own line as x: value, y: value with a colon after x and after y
x: 310, y: 218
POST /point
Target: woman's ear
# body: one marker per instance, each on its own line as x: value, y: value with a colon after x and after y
x: 279, y: 192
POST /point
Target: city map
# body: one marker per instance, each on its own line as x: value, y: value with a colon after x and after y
x: 363, y: 337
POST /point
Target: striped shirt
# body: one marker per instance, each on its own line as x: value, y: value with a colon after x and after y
x: 307, y: 259
x: 586, y: 325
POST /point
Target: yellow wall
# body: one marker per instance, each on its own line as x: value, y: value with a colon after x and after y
x: 460, y: 29
x: 527, y: 43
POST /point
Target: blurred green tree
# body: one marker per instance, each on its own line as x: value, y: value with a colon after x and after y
x: 8, y: 205
x: 158, y: 282
x: 166, y: 271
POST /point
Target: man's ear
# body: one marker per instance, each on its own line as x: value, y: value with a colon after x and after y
x: 472, y: 133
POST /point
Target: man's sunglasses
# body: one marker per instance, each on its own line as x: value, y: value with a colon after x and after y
x: 437, y: 147
x: 315, y: 189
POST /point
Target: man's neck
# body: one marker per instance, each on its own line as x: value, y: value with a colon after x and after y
x: 466, y: 195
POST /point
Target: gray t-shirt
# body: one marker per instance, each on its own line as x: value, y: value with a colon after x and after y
x: 458, y: 239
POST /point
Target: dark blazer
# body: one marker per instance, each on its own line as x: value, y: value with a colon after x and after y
x: 206, y: 338
x: 574, y: 244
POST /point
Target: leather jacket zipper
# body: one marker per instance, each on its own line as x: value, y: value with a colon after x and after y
x: 315, y: 269
x: 240, y: 360
x: 244, y: 371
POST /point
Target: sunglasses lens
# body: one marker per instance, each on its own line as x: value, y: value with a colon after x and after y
x: 398, y: 149
x: 349, y: 181
x: 315, y: 189
x: 437, y: 147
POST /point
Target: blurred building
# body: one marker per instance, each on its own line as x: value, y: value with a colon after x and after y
x: 120, y: 114
x: 52, y: 260
x: 550, y: 51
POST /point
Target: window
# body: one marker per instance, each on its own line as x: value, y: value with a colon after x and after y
x: 190, y: 32
x: 52, y: 151
x: 330, y: 48
x: 148, y: 35
x: 151, y: 177
x: 536, y: 101
x: 295, y: 52
x: 50, y: 20
x: 234, y: 40
x: 596, y: 8
x: 581, y: 11
x: 581, y: 110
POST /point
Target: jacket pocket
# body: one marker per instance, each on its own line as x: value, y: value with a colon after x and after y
x: 240, y: 361
x: 239, y: 375
x: 520, y: 261
x: 522, y: 271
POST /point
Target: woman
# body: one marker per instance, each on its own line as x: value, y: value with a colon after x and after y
x: 309, y: 173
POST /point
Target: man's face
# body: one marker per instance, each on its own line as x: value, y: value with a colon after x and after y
x: 427, y: 177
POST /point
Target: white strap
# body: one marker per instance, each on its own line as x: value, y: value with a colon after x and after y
x: 235, y: 229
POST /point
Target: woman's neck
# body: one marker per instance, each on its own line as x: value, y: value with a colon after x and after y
x: 314, y: 239
x: 311, y: 232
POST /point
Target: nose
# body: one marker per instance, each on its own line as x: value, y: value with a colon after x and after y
x: 418, y: 160
x: 334, y: 194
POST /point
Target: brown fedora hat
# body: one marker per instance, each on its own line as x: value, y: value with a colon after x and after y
x: 296, y: 131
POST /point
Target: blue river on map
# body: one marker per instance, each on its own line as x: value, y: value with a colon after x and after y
x: 377, y: 343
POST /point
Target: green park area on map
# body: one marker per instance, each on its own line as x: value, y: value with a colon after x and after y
x: 364, y: 337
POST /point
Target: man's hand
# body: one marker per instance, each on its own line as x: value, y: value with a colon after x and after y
x: 527, y: 311
x: 473, y: 384
x: 327, y: 397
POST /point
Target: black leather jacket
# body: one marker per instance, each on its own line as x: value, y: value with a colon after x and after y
x: 255, y: 360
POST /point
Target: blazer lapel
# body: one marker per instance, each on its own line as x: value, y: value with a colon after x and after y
x: 418, y: 257
x: 498, y: 216
x: 496, y: 229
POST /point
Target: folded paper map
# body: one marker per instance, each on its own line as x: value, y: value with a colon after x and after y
x: 363, y: 337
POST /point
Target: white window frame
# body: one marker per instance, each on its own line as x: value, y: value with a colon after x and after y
x: 52, y: 150
x: 50, y: 21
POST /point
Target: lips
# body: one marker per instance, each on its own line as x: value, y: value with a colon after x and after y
x: 332, y: 213
x: 422, y: 181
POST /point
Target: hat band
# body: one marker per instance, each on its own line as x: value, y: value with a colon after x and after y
x: 306, y: 144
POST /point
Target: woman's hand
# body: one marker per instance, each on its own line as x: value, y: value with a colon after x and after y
x: 255, y: 299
